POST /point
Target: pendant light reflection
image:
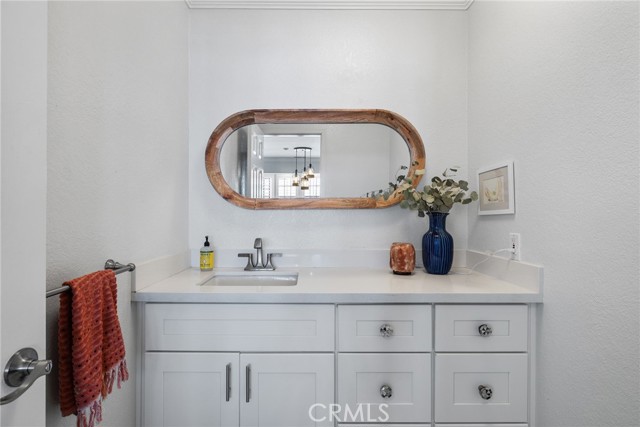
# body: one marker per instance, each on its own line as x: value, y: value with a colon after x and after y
x: 296, y: 180
x: 303, y: 181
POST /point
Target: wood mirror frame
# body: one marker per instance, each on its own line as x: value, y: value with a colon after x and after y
x: 249, y: 117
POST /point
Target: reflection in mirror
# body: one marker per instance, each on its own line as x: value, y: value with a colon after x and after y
x: 255, y: 158
x: 347, y: 160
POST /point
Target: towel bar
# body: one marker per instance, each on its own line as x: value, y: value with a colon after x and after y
x: 109, y: 265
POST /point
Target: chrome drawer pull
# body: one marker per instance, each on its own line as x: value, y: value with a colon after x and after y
x: 386, y: 392
x: 485, y: 392
x: 485, y: 330
x: 386, y: 330
x: 248, y: 384
x: 228, y: 378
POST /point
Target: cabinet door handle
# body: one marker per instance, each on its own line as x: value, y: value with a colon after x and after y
x: 228, y: 381
x: 485, y: 330
x: 386, y: 392
x: 485, y: 392
x: 248, y: 379
x: 386, y: 330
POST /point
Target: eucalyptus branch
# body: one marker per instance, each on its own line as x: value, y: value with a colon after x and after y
x: 439, y: 196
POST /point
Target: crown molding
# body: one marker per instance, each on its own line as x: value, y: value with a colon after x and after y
x: 332, y: 4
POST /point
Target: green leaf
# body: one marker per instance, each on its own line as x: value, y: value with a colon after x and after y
x: 404, y: 204
x: 421, y: 214
x: 420, y: 172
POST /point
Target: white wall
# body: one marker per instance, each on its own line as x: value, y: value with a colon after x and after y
x: 117, y: 154
x: 554, y: 86
x: 410, y: 62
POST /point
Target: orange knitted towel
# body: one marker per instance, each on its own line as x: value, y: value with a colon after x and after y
x: 90, y: 346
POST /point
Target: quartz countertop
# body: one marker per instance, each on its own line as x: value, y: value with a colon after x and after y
x: 344, y: 286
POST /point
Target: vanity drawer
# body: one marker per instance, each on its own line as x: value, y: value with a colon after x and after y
x: 458, y: 393
x: 364, y: 379
x: 481, y: 328
x: 239, y: 327
x: 384, y: 328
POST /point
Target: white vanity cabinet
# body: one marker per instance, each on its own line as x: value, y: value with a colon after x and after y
x: 429, y: 364
x: 236, y: 364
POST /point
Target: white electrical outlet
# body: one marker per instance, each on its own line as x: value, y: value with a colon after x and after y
x: 514, y: 239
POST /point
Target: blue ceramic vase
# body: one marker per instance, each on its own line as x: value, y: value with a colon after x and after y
x: 437, y: 245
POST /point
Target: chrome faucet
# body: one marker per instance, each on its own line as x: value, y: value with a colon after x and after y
x: 257, y: 245
x: 259, y: 264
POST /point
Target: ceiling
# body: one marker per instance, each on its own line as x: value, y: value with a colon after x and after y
x: 283, y: 145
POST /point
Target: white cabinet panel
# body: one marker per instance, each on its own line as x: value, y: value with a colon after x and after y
x: 459, y: 328
x: 190, y: 390
x: 384, y: 328
x: 361, y: 378
x: 239, y: 327
x: 278, y: 390
x: 458, y: 397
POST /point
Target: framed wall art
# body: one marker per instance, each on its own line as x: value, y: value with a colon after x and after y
x: 496, y: 189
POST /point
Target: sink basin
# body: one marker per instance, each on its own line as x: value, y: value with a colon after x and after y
x: 252, y: 278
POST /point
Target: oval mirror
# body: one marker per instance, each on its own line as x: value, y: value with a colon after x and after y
x: 312, y: 159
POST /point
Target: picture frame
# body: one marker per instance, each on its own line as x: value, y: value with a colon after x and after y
x: 496, y: 189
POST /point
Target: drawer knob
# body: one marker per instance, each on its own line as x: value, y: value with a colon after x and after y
x: 485, y: 330
x: 386, y: 392
x: 386, y: 330
x: 485, y: 392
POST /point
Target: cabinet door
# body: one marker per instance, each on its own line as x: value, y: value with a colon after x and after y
x: 191, y: 389
x: 280, y: 390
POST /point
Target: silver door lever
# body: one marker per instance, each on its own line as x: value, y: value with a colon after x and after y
x: 22, y: 370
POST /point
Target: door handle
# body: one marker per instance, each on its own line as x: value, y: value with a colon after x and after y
x: 22, y: 370
x: 248, y: 382
x: 228, y: 377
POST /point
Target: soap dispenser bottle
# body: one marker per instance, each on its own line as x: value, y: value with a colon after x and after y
x: 206, y: 256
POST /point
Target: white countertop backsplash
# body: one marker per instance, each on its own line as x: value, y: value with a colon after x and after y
x: 319, y: 258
